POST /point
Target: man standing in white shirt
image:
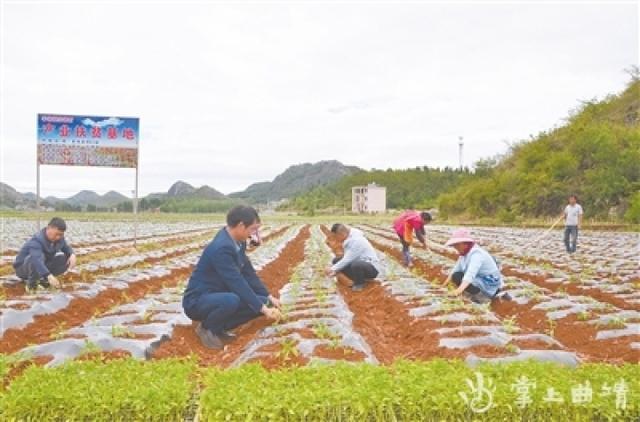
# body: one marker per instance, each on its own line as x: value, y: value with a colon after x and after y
x: 572, y: 220
x: 359, y: 262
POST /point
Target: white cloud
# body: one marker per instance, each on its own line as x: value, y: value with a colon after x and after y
x: 111, y: 121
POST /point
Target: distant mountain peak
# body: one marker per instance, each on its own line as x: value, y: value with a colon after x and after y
x: 181, y: 188
x: 296, y: 179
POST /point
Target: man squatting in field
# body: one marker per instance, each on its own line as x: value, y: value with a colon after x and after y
x: 45, y: 256
x: 224, y: 290
x: 359, y: 262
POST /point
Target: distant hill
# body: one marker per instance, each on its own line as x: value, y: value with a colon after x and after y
x: 181, y: 189
x: 296, y: 180
x: 9, y: 197
x: 86, y: 197
x: 178, y: 192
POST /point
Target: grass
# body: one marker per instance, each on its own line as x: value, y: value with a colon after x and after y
x: 120, y: 390
x: 412, y: 391
x: 127, y: 389
x: 510, y: 325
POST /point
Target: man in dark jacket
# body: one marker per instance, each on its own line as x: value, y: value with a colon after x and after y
x: 45, y: 256
x: 224, y: 290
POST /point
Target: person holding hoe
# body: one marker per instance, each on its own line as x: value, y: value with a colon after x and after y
x: 405, y: 225
x: 573, y: 218
x: 224, y: 290
x: 476, y: 273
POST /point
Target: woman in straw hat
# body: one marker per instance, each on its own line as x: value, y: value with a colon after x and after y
x: 476, y: 273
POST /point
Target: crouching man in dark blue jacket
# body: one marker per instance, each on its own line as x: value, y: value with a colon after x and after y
x: 224, y: 290
x: 45, y: 256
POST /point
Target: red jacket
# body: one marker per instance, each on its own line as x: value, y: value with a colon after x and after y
x: 406, y: 223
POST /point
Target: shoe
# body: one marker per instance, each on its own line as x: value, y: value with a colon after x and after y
x: 227, y: 336
x: 31, y: 285
x: 504, y: 296
x: 45, y: 283
x: 208, y: 339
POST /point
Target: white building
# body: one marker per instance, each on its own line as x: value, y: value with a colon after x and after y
x: 371, y: 198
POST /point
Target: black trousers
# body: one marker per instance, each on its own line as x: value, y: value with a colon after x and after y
x: 457, y: 280
x: 56, y: 266
x: 358, y: 271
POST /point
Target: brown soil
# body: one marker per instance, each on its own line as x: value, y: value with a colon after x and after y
x: 306, y: 333
x: 105, y: 356
x: 571, y: 288
x: 386, y: 325
x: 20, y: 306
x: 274, y: 362
x: 81, y: 309
x: 575, y: 335
x: 12, y: 292
x: 339, y: 353
x: 130, y: 239
x: 465, y: 334
x: 184, y: 340
x: 311, y: 305
x: 20, y: 367
x: 534, y: 345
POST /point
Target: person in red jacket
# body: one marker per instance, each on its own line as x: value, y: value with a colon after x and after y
x: 405, y: 225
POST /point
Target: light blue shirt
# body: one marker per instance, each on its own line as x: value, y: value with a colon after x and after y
x: 480, y: 269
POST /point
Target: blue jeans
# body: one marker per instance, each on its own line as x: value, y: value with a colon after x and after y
x: 406, y: 253
x: 219, y: 312
x: 571, y: 238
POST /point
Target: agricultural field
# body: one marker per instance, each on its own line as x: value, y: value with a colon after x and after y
x: 114, y: 343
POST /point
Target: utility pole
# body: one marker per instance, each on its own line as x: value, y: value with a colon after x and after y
x: 460, y: 147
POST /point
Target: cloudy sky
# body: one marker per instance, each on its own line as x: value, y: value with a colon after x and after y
x: 230, y: 94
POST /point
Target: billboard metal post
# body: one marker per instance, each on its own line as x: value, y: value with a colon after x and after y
x: 38, y: 191
x: 135, y: 213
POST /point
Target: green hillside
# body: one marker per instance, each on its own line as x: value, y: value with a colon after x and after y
x: 595, y: 155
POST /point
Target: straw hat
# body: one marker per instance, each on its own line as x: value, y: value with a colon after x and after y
x: 459, y: 236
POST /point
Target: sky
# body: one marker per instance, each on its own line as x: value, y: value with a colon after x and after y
x: 229, y: 94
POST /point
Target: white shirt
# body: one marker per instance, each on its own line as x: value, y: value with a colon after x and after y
x: 356, y: 246
x: 571, y: 213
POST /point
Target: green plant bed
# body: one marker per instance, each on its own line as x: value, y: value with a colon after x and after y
x: 421, y: 391
x: 120, y: 390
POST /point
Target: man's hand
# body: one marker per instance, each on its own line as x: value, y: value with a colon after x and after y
x: 271, y: 313
x: 53, y: 281
x: 71, y: 262
x: 329, y: 272
x: 275, y: 302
